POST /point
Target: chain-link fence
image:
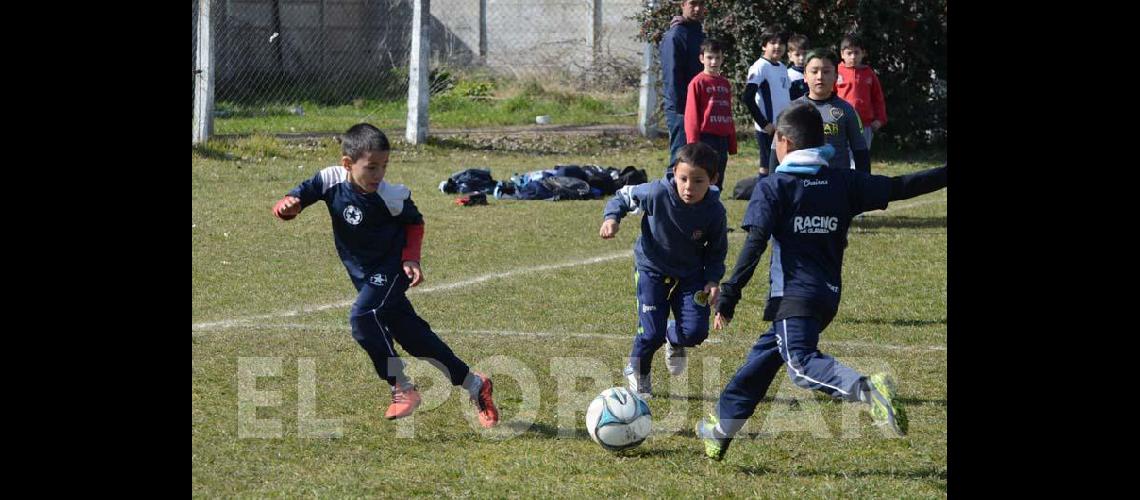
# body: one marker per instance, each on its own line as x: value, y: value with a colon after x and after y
x: 321, y: 65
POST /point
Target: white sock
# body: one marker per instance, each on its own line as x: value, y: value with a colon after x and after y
x: 865, y: 391
x: 718, y: 432
x: 473, y: 384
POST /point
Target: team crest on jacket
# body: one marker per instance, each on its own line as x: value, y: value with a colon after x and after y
x: 697, y: 234
x: 378, y: 280
x: 836, y: 113
x: 353, y: 215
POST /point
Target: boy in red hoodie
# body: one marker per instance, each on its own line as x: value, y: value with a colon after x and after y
x: 708, y: 108
x: 859, y: 86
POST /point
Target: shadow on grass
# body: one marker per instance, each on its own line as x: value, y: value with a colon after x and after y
x: 895, y: 322
x: 650, y: 452
x: 687, y: 397
x: 868, y: 224
x: 920, y: 473
x: 919, y: 401
x: 212, y: 152
x: 542, y: 431
x: 793, y: 402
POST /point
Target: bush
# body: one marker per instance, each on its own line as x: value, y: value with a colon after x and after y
x: 474, y: 89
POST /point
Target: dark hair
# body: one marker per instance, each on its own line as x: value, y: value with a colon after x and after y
x: 802, y: 124
x: 797, y: 41
x: 851, y: 40
x: 821, y: 53
x: 713, y: 45
x: 362, y: 138
x: 699, y: 154
x: 769, y: 34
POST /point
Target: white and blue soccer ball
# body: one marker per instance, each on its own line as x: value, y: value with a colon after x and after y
x: 618, y: 420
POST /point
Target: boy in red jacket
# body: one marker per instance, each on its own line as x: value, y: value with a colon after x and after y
x: 708, y: 108
x: 859, y: 86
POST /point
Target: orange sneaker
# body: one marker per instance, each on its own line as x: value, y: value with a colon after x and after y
x: 405, y: 399
x: 488, y: 414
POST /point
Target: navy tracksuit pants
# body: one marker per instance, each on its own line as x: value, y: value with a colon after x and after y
x: 658, y: 295
x: 793, y: 344
x: 382, y: 316
x: 675, y: 122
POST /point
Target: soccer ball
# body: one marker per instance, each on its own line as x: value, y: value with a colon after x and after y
x: 618, y: 420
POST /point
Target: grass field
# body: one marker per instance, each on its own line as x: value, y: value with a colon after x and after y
x: 508, y: 103
x: 527, y: 292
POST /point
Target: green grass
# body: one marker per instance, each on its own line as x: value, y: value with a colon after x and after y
x: 513, y: 104
x: 246, y: 263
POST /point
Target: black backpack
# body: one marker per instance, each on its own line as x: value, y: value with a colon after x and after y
x: 744, y: 187
x: 567, y: 188
x: 602, y: 179
x: 631, y: 176
x: 466, y: 181
x: 571, y: 171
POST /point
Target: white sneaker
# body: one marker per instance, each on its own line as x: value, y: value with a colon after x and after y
x: 638, y: 384
x: 674, y: 355
x: 675, y: 358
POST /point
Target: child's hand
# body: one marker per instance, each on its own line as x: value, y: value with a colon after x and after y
x: 720, y: 321
x: 609, y: 229
x: 769, y: 129
x: 713, y: 290
x: 876, y: 125
x: 412, y: 269
x: 288, y: 207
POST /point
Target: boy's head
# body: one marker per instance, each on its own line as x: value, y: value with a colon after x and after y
x: 852, y: 50
x: 364, y: 149
x: 797, y: 49
x: 693, y: 10
x: 694, y: 171
x: 712, y: 55
x: 772, y: 44
x: 799, y: 126
x: 819, y: 73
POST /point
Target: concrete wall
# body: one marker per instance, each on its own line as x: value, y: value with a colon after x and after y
x: 528, y: 36
x: 356, y: 40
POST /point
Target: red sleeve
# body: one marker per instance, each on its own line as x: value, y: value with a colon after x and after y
x: 877, y: 101
x: 842, y: 89
x: 415, y: 240
x: 693, y: 105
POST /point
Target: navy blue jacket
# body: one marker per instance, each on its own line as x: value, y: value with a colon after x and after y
x: 368, y: 229
x: 806, y: 210
x: 677, y: 240
x: 680, y: 62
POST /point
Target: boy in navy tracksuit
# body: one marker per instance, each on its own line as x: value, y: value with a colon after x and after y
x: 806, y: 209
x: 378, y: 233
x: 679, y: 259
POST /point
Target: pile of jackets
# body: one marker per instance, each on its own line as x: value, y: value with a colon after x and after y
x: 563, y: 182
